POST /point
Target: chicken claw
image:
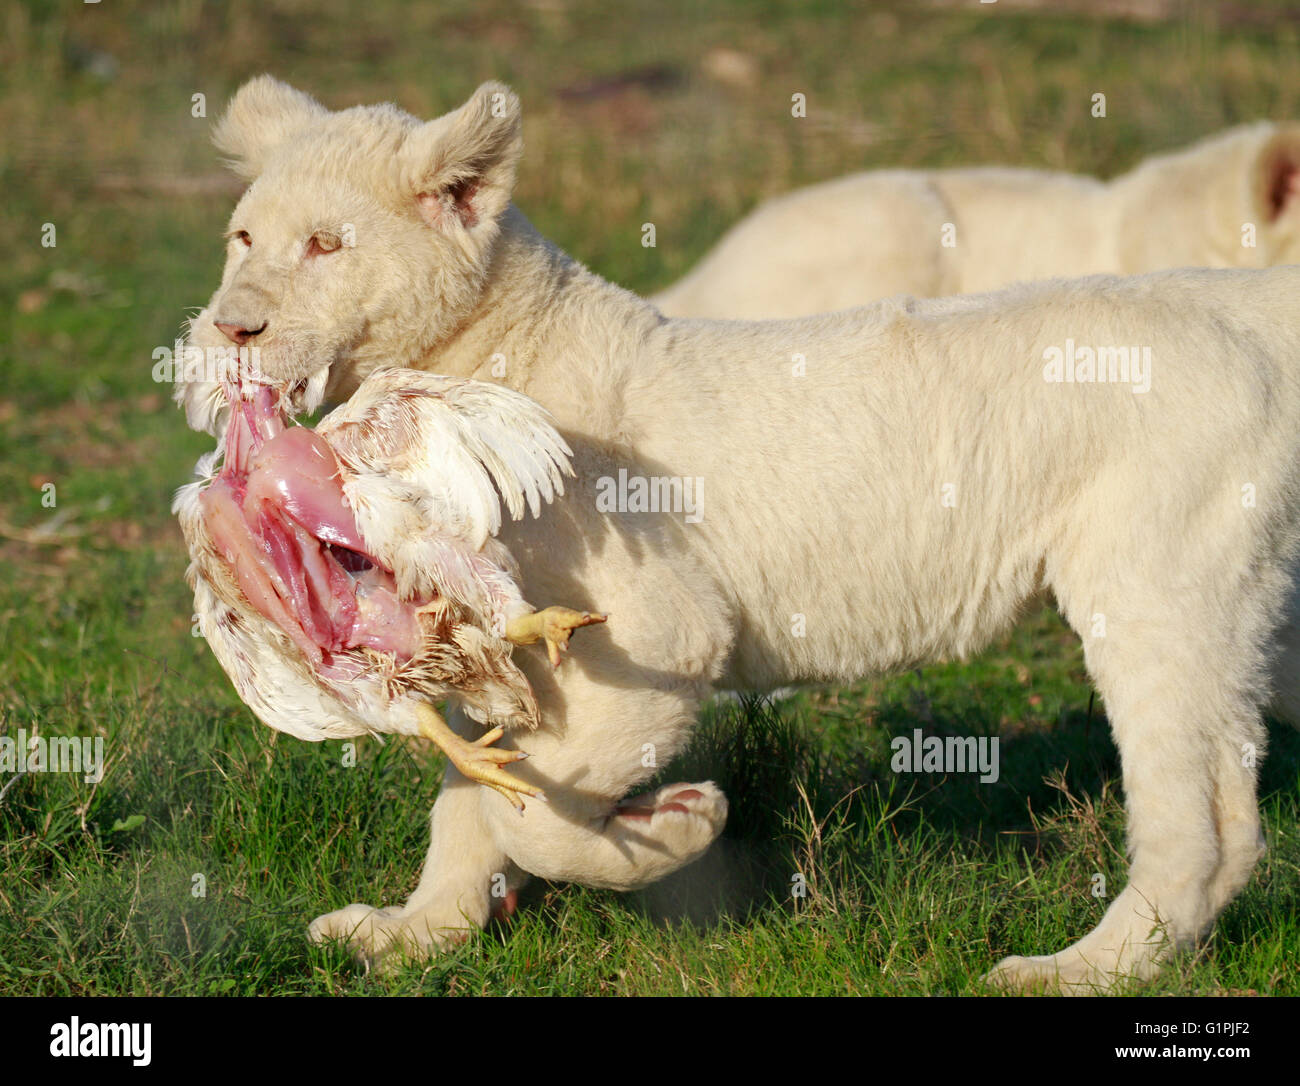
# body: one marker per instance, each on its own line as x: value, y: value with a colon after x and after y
x: 554, y: 625
x: 479, y: 760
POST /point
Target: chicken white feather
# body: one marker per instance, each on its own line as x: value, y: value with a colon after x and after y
x: 425, y: 459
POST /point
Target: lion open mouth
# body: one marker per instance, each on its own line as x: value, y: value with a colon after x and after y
x: 278, y: 517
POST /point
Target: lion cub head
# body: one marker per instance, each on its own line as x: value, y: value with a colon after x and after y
x: 363, y: 239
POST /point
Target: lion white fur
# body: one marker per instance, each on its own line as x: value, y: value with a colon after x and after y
x: 901, y: 476
x: 1229, y: 200
x: 856, y: 239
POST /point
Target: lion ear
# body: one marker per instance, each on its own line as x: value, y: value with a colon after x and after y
x: 460, y: 168
x: 262, y: 115
x: 1277, y: 173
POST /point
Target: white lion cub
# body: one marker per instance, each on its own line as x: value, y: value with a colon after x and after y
x: 869, y: 489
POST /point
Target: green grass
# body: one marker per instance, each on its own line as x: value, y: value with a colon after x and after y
x: 915, y: 884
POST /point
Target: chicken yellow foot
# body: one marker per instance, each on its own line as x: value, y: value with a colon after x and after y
x: 479, y: 760
x: 554, y: 625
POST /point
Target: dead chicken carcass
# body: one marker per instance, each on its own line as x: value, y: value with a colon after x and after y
x: 348, y: 577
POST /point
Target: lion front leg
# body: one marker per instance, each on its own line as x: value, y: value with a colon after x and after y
x: 598, y: 829
x: 463, y: 870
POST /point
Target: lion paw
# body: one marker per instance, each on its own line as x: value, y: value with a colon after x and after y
x: 684, y: 818
x: 1066, y: 973
x: 382, y: 939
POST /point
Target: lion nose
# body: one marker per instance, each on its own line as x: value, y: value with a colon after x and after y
x: 237, y: 333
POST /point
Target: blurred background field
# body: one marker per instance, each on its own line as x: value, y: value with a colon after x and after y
x: 674, y: 112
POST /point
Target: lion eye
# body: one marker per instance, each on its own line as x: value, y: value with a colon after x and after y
x: 322, y: 244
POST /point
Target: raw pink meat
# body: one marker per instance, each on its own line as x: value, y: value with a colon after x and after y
x: 277, y: 516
